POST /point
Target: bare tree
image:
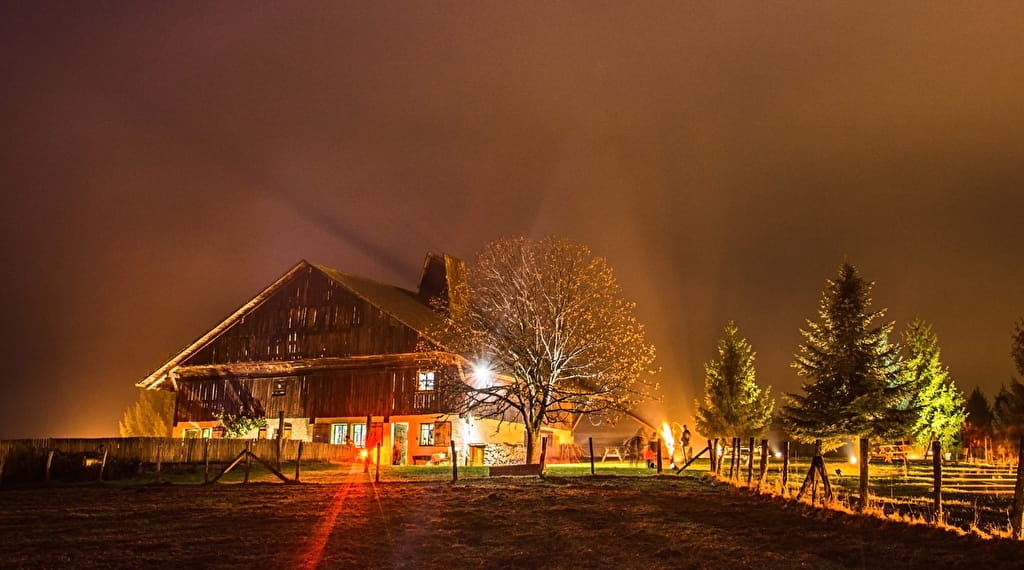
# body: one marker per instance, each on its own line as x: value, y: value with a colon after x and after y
x: 551, y: 334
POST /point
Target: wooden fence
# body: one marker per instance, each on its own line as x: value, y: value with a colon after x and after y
x: 173, y: 450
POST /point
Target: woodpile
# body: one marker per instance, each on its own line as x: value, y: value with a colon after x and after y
x: 504, y: 454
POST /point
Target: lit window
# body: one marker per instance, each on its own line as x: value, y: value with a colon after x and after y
x: 338, y: 433
x: 207, y: 433
x: 426, y: 434
x: 359, y: 434
x: 426, y: 381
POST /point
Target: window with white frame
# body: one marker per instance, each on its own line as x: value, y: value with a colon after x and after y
x: 338, y: 433
x: 426, y: 381
x: 427, y: 434
x: 359, y: 434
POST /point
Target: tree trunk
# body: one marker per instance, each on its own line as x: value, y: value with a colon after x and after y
x: 865, y: 451
x: 1017, y: 511
x: 532, y: 447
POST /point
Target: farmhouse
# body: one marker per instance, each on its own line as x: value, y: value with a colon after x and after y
x: 343, y: 358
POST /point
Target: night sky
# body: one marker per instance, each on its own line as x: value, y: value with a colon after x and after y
x: 162, y: 162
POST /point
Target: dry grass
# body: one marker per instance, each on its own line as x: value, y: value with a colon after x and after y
x: 561, y: 522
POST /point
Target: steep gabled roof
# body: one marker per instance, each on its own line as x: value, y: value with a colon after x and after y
x: 394, y: 301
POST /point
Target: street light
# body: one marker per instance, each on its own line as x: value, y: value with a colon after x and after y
x: 482, y: 374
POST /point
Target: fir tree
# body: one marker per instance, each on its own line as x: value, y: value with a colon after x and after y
x: 1008, y: 414
x: 978, y: 426
x: 938, y: 402
x: 1017, y: 348
x: 733, y: 403
x: 855, y: 386
x: 979, y: 412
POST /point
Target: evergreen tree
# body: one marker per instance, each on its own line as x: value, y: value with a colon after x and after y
x: 939, y: 404
x: 1017, y: 348
x: 1008, y: 414
x: 733, y: 403
x: 855, y: 386
x: 978, y: 426
x: 979, y: 412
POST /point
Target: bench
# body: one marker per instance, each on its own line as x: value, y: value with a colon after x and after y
x: 432, y: 459
x: 521, y: 470
x: 889, y: 452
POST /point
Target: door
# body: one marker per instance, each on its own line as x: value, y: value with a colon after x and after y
x: 400, y: 448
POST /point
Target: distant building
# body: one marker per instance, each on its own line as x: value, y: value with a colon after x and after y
x: 343, y: 357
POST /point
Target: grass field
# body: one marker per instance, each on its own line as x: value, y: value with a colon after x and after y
x: 418, y: 518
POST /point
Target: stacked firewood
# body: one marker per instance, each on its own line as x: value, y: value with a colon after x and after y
x: 504, y: 454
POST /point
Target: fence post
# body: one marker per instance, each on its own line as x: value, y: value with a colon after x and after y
x: 1017, y: 512
x: 280, y: 436
x: 49, y: 464
x: 713, y: 458
x: 3, y: 460
x: 738, y: 455
x: 937, y: 475
x: 248, y: 460
x: 785, y: 465
x: 732, y: 456
x: 764, y: 463
x: 298, y: 460
x: 206, y: 461
x: 659, y: 456
x: 376, y: 477
x: 590, y: 442
x: 750, y: 462
x: 103, y: 462
x: 455, y: 462
x: 366, y: 438
x: 865, y: 456
x: 815, y: 471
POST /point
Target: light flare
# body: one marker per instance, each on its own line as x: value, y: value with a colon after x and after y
x: 482, y: 376
x: 311, y: 554
x: 666, y: 434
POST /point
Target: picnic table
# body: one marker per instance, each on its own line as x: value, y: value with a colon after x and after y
x: 613, y: 452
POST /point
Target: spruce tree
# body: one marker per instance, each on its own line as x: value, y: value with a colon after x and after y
x: 978, y: 427
x: 979, y: 412
x: 733, y: 403
x: 1017, y: 347
x: 938, y: 402
x: 854, y: 385
x: 1008, y: 414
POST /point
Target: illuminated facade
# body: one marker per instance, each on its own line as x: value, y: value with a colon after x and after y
x: 342, y: 357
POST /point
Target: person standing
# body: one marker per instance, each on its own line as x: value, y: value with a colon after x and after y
x: 685, y: 443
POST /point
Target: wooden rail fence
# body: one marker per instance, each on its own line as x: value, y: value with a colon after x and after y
x: 174, y: 450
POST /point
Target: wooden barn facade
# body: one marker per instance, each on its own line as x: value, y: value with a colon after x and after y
x: 341, y: 356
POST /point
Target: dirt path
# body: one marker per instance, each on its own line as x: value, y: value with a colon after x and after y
x: 616, y: 522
